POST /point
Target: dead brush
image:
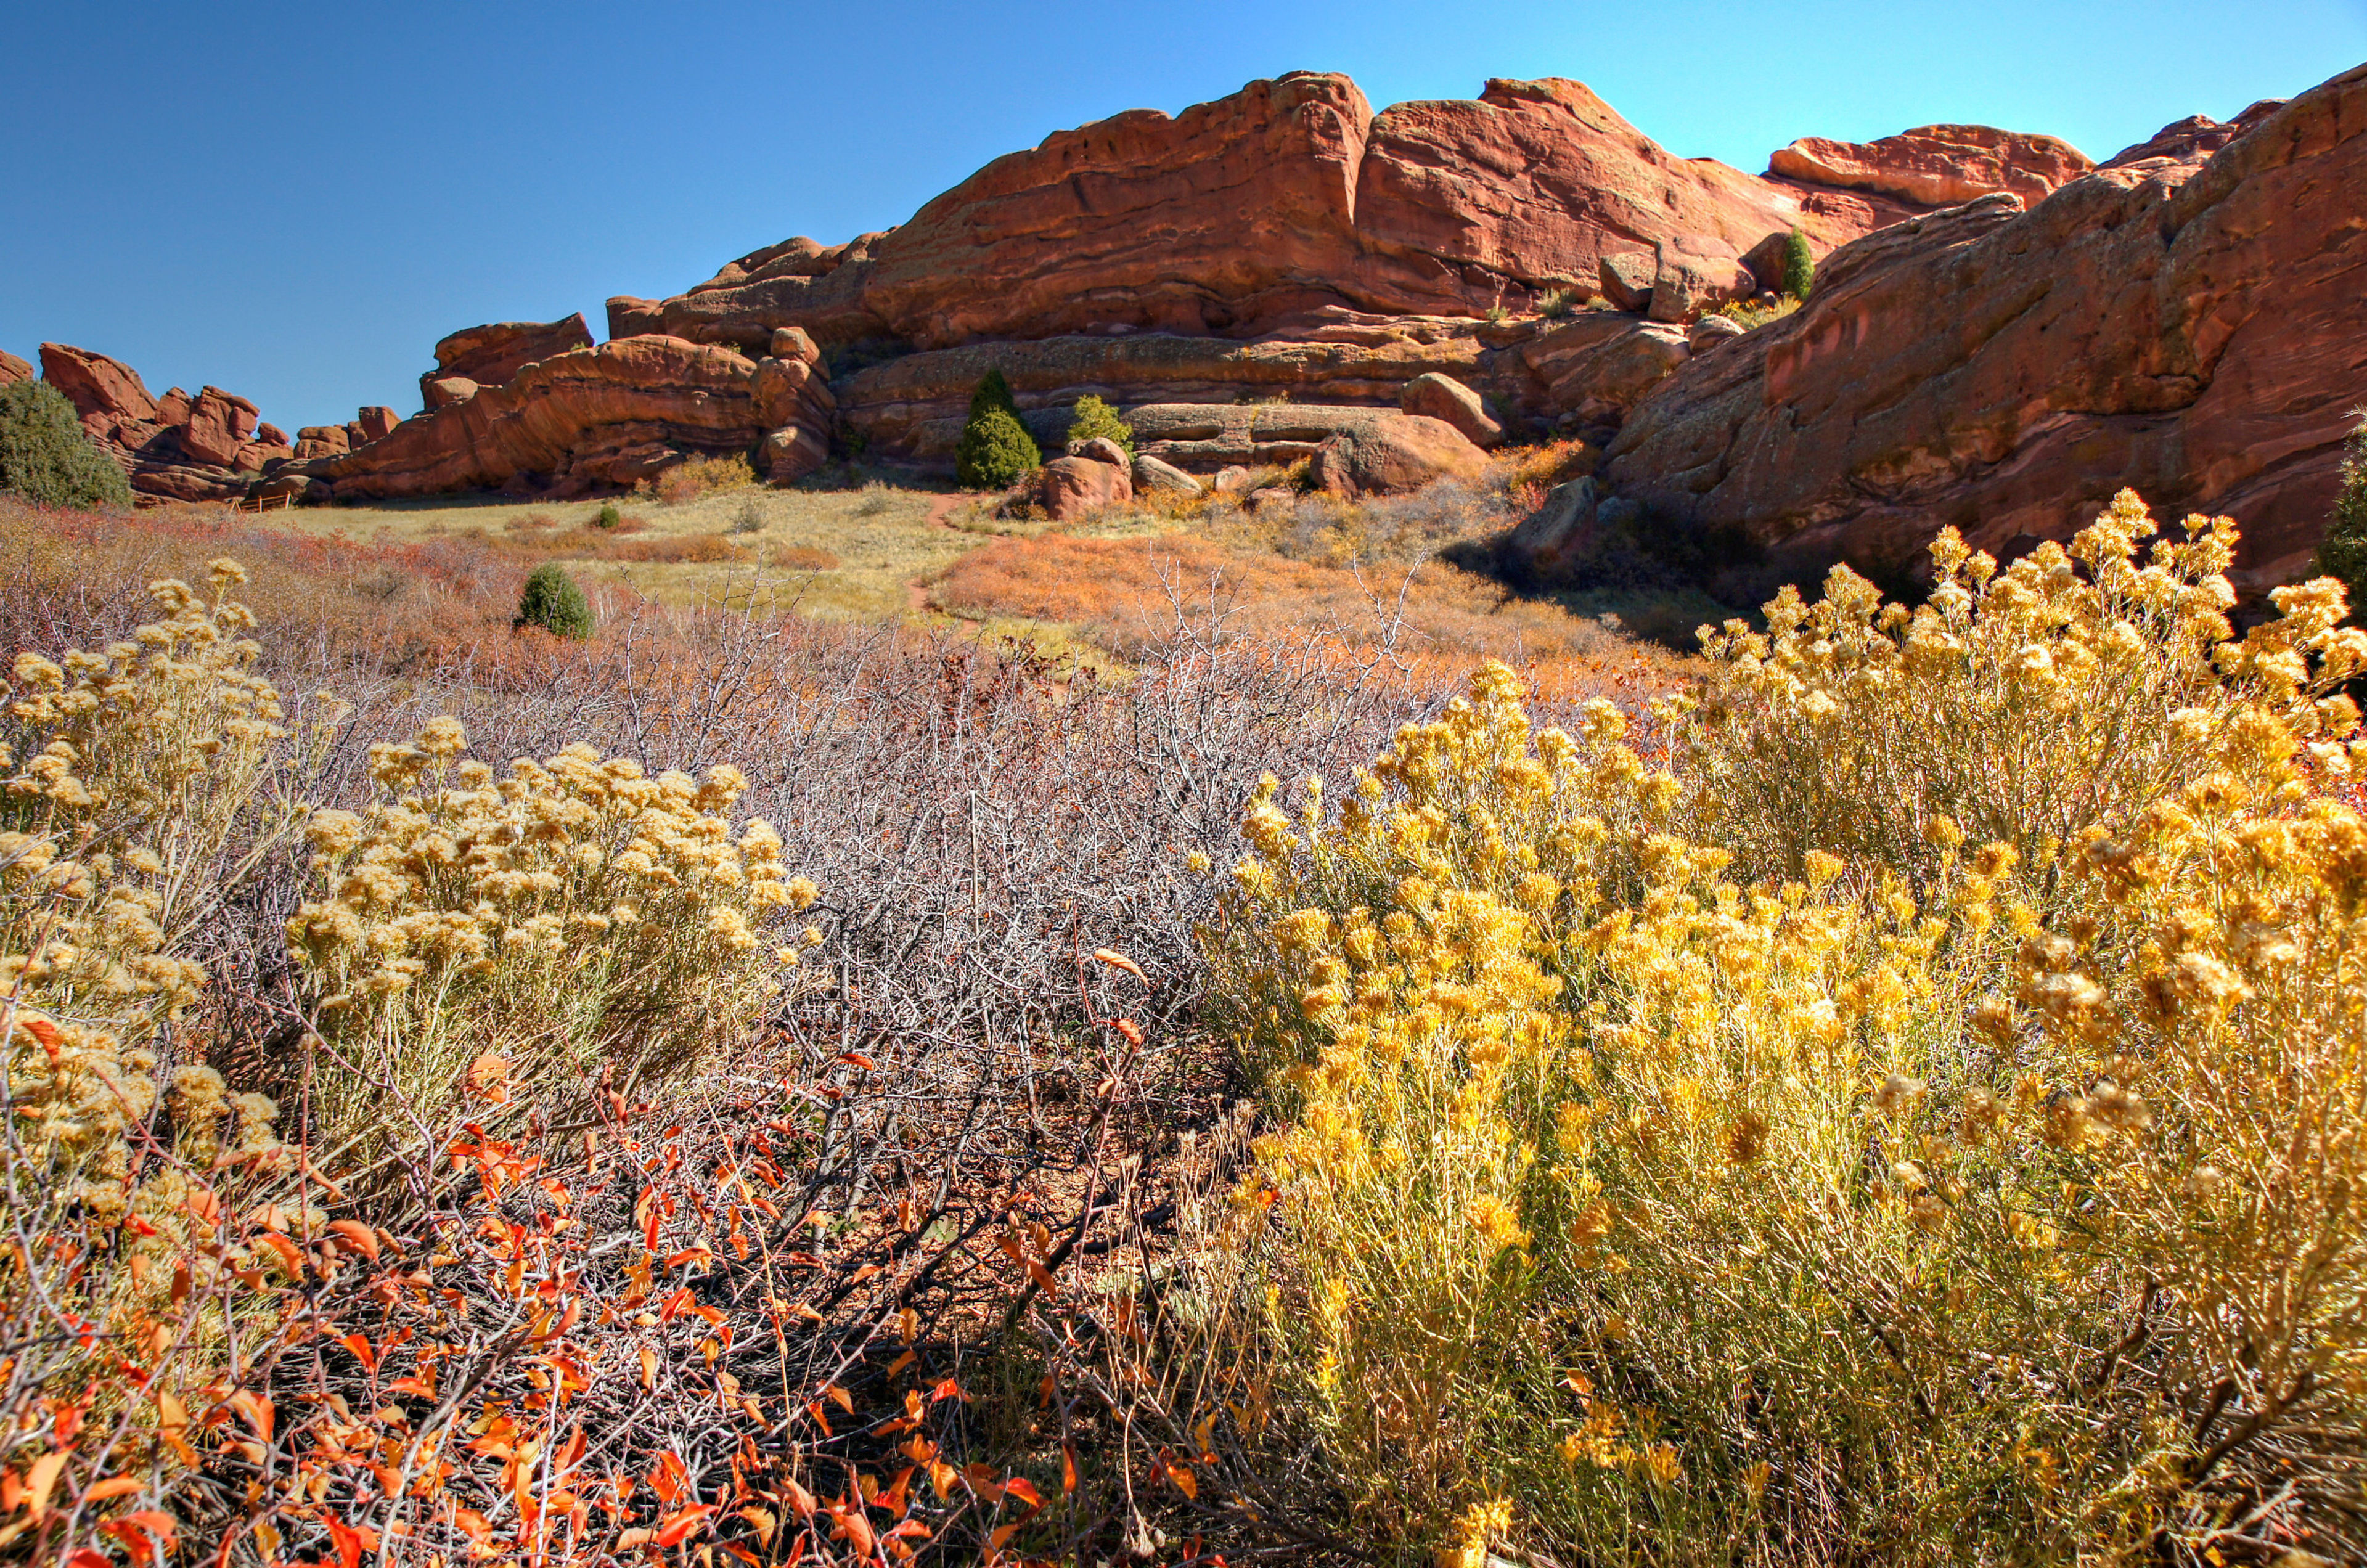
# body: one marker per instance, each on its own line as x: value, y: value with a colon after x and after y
x: 571, y: 1316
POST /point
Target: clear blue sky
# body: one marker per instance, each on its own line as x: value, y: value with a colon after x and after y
x: 294, y: 202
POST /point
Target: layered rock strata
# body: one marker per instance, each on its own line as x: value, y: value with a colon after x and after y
x: 2183, y: 320
x: 1290, y: 197
x: 601, y: 418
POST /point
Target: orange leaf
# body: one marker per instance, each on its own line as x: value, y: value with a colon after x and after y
x: 1068, y: 1468
x: 42, y: 1030
x: 1043, y: 1282
x: 799, y: 1498
x: 648, y: 1368
x: 356, y: 1236
x: 256, y: 1409
x: 473, y: 1524
x: 364, y: 1351
x: 40, y: 1482
x: 346, y: 1539
x: 285, y: 1251
x: 1118, y: 960
x: 901, y: 1362
x: 841, y: 1398
x: 144, y: 1531
x: 1002, y: 1537
x: 1131, y: 1029
x: 113, y: 1486
x: 673, y: 1531
x: 1185, y: 1481
x: 1021, y: 1488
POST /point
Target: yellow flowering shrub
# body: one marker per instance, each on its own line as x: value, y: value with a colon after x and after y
x: 574, y: 910
x: 1931, y: 1202
x: 138, y: 798
x: 2072, y: 687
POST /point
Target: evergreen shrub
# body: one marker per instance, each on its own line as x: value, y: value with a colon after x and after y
x: 45, y: 456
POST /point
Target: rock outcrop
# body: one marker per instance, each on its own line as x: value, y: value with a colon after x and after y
x: 490, y: 355
x: 594, y: 419
x: 176, y: 447
x: 1236, y: 218
x: 2186, y: 322
x: 13, y: 369
x: 1938, y: 165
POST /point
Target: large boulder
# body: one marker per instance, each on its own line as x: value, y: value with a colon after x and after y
x: 220, y: 426
x: 492, y: 353
x: 1444, y: 398
x: 1938, y: 165
x: 1543, y: 544
x: 13, y: 369
x: 1068, y: 489
x: 1691, y: 273
x: 1151, y: 474
x: 1393, y: 451
x: 1394, y: 456
x: 2190, y: 326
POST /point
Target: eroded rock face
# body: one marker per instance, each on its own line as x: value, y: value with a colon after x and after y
x: 1237, y: 217
x: 598, y: 418
x: 492, y: 353
x: 2187, y: 325
x: 1938, y: 165
x: 177, y: 448
x: 13, y: 369
x: 586, y: 419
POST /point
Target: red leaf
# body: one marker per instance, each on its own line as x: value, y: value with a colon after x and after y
x: 673, y: 1531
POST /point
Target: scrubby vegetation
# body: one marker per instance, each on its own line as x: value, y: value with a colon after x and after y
x: 995, y: 448
x: 704, y: 476
x: 1800, y: 265
x: 1772, y: 1156
x: 1093, y: 418
x: 1894, y: 1099
x: 46, y: 459
x: 2342, y: 553
x: 554, y: 602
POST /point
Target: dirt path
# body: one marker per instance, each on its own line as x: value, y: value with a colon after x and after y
x: 916, y: 593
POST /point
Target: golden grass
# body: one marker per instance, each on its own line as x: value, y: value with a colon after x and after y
x: 837, y: 554
x: 1127, y: 594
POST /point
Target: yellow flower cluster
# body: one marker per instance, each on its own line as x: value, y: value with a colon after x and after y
x: 132, y: 768
x: 1922, y: 1118
x: 576, y: 906
x: 2099, y: 682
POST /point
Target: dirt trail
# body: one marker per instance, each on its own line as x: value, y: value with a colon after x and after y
x: 916, y: 593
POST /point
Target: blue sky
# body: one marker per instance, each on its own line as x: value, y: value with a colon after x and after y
x: 294, y: 202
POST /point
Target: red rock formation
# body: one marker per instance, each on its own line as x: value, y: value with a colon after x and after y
x: 593, y: 419
x: 1938, y: 165
x: 1289, y: 196
x: 106, y: 393
x: 2187, y: 325
x: 13, y: 369
x: 489, y: 356
x: 219, y: 425
x: 174, y: 447
x: 1070, y: 488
